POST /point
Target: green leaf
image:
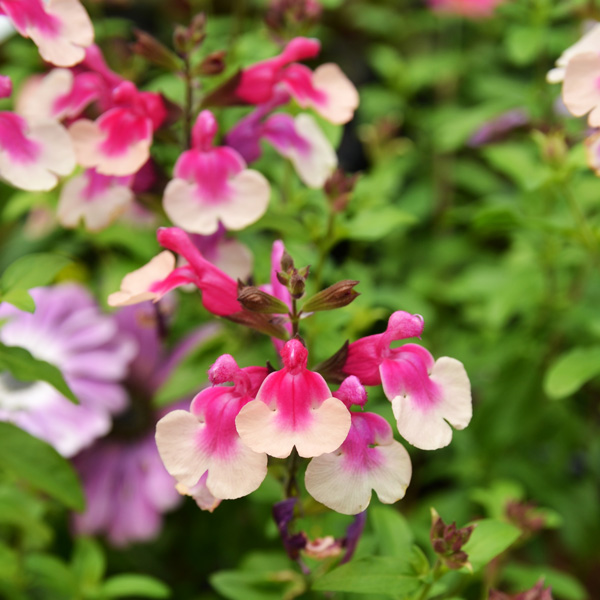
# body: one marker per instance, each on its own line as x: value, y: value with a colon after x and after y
x: 88, y: 563
x: 121, y: 586
x: 393, y: 533
x: 371, y: 575
x: 564, y: 586
x: 489, y: 538
x: 571, y: 370
x: 49, y: 578
x: 373, y: 225
x: 32, y: 271
x: 25, y: 367
x: 40, y: 465
x: 22, y: 510
x: 242, y: 585
x: 19, y: 298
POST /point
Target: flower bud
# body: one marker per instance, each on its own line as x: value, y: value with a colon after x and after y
x: 448, y: 540
x: 292, y: 16
x: 524, y: 516
x: 188, y: 39
x: 337, y: 295
x: 287, y: 262
x: 213, y: 64
x: 255, y: 300
x: 338, y: 189
x: 297, y: 283
x: 151, y: 49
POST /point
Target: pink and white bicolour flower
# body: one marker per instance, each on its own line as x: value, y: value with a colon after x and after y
x: 33, y: 155
x: 205, y: 440
x: 95, y: 199
x: 61, y: 29
x: 427, y: 396
x: 159, y: 276
x: 212, y: 185
x: 326, y: 90
x: 369, y: 459
x: 590, y: 42
x: 294, y: 408
x: 299, y: 139
x: 118, y: 143
x: 581, y: 89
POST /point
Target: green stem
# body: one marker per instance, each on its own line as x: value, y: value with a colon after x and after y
x: 437, y: 571
x: 189, y: 103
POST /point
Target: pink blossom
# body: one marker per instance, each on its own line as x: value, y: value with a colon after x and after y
x: 5, y: 86
x: 590, y: 42
x: 118, y: 143
x: 159, y: 276
x: 205, y: 439
x: 326, y: 90
x: 95, y: 199
x: 427, y: 396
x: 473, y: 9
x: 299, y: 139
x: 61, y: 29
x: 294, y: 407
x: 201, y: 494
x: 368, y: 459
x: 581, y: 92
x: 67, y: 330
x: 212, y: 184
x: 33, y: 155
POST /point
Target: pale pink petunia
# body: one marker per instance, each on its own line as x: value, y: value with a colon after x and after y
x: 581, y: 89
x: 5, y: 86
x: 205, y: 439
x: 95, y: 199
x: 212, y: 185
x: 590, y: 42
x: 369, y: 459
x: 473, y: 9
x: 294, y: 408
x: 61, y: 29
x: 33, y: 155
x: 327, y: 90
x: 118, y: 143
x: 427, y: 396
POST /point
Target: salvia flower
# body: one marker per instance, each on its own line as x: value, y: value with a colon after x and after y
x: 448, y: 541
x: 294, y: 408
x: 326, y: 90
x: 590, y: 42
x: 118, y: 142
x: 427, y: 396
x: 212, y: 184
x: 580, y: 91
x: 95, y: 199
x: 368, y: 459
x: 67, y: 330
x: 33, y: 154
x: 205, y: 439
x: 537, y: 592
x: 61, y: 29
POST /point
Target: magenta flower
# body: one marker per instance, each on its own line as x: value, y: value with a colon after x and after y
x: 299, y: 139
x: 212, y: 184
x: 427, y: 396
x: 5, y: 86
x: 61, y: 29
x: 126, y: 485
x: 118, y: 143
x: 33, y: 155
x: 294, y: 408
x: 368, y: 459
x: 205, y: 439
x: 67, y: 330
x: 326, y: 90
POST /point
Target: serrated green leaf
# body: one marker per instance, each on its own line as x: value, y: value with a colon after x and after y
x: 25, y: 367
x: 20, y: 298
x: 122, y: 586
x: 33, y: 270
x: 371, y: 575
x: 571, y: 370
x: 489, y: 538
x: 40, y: 465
